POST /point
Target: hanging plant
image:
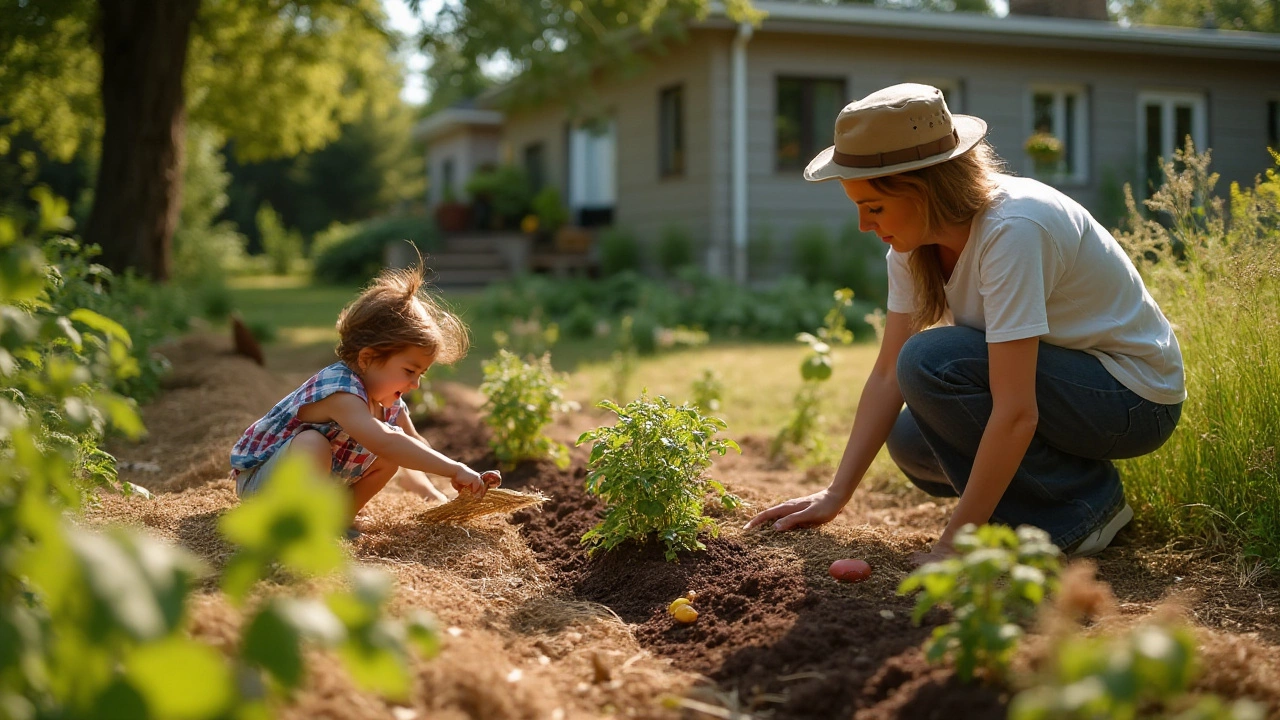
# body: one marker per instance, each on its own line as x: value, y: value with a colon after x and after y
x: 1044, y: 148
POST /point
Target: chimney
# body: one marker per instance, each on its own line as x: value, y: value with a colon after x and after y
x: 1076, y: 9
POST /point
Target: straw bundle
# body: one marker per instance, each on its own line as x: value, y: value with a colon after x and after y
x: 466, y: 507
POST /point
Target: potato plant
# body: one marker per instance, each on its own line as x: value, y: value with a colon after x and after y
x: 97, y: 622
x: 1150, y: 667
x: 650, y: 468
x: 996, y: 580
x: 801, y: 438
x: 521, y: 398
x: 708, y: 390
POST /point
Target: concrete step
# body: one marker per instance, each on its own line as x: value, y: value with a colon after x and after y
x: 469, y: 277
x: 481, y: 242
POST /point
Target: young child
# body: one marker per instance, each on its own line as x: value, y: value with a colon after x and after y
x: 350, y: 417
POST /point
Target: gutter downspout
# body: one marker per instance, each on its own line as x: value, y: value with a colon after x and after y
x: 738, y: 151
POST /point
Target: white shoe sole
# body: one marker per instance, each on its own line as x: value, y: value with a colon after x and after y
x: 1098, y: 540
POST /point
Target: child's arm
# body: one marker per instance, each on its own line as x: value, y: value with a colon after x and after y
x: 416, y: 481
x: 352, y: 413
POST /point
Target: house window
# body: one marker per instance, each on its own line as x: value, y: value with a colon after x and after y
x: 671, y: 132
x: 593, y: 157
x: 1061, y: 111
x: 806, y: 117
x: 1273, y: 125
x: 952, y: 90
x: 535, y: 165
x: 1165, y: 121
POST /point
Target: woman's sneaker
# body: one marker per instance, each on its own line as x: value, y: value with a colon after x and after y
x: 1098, y: 540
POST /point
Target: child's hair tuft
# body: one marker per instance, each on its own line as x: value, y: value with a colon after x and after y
x: 396, y: 312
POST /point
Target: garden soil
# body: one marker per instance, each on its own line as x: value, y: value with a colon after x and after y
x: 535, y: 627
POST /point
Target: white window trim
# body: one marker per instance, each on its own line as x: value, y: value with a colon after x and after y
x: 953, y: 85
x: 1167, y: 99
x: 1080, y: 151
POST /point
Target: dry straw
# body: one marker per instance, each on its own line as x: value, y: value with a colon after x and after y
x: 466, y: 507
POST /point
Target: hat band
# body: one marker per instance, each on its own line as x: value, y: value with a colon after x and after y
x: 911, y: 154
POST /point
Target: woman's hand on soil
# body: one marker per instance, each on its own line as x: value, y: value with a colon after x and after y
x: 470, y: 481
x: 939, y: 552
x: 804, y: 512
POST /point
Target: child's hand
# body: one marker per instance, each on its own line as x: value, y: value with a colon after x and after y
x: 469, y: 480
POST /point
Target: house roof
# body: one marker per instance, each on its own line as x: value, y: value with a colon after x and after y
x: 1012, y: 30
x: 451, y: 118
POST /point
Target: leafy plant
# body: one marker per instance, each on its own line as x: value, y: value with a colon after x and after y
x: 649, y: 468
x: 91, y: 621
x: 675, y: 249
x: 1149, y: 668
x: 550, y: 210
x: 282, y: 245
x: 622, y: 365
x: 506, y: 191
x: 619, y: 252
x: 802, y: 435
x: 521, y: 399
x: 708, y: 390
x: 528, y: 336
x: 1043, y: 147
x: 997, y: 579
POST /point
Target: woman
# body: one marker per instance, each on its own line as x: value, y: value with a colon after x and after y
x: 1051, y: 359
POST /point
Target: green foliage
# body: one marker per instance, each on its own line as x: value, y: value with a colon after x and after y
x: 505, y: 191
x: 528, y: 337
x: 650, y: 470
x: 708, y: 390
x: 811, y: 253
x: 760, y: 252
x: 1258, y: 15
x: 622, y: 366
x: 355, y: 253
x: 998, y: 578
x: 95, y: 621
x: 619, y: 252
x: 859, y: 264
x: 549, y: 209
x: 675, y: 249
x: 1150, y: 667
x: 283, y: 246
x: 521, y: 398
x: 801, y: 437
x: 1218, y: 282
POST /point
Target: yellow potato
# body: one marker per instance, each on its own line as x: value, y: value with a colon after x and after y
x: 685, y: 614
x: 679, y: 602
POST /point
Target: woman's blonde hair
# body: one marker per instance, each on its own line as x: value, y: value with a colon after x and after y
x: 948, y: 193
x: 396, y: 312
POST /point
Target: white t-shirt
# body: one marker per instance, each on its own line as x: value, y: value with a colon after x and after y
x: 1038, y: 265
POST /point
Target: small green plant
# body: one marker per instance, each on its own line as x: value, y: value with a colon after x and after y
x: 528, y: 337
x: 1149, y: 668
x: 708, y: 390
x: 1043, y: 147
x: 521, y: 398
x: 649, y: 468
x: 801, y: 438
x: 622, y: 366
x: 996, y: 580
x: 550, y: 210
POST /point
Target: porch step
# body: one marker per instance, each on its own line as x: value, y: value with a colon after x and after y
x: 466, y: 260
x: 467, y: 277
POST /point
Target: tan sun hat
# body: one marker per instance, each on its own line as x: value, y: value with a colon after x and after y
x: 902, y: 127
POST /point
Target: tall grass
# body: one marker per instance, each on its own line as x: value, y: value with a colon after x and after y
x: 1216, y: 274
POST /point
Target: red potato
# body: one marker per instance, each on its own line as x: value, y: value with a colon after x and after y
x: 491, y: 478
x: 850, y: 570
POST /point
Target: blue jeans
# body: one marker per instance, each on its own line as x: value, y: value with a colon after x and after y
x: 1066, y: 483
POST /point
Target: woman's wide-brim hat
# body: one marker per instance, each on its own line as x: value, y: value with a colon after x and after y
x: 900, y: 128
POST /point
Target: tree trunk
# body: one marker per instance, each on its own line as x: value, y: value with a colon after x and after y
x: 139, y: 190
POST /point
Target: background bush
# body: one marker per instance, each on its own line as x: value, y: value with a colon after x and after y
x: 354, y: 253
x: 619, y: 252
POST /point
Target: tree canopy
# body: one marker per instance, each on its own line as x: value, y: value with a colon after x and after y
x: 1256, y: 15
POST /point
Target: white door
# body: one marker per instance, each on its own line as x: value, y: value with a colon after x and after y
x: 593, y: 160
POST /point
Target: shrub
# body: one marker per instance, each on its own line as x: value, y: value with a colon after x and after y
x: 619, y: 252
x: 550, y: 210
x: 354, y: 253
x: 998, y: 579
x: 503, y: 192
x: 282, y: 245
x: 649, y: 469
x: 520, y: 400
x: 675, y: 249
x: 1218, y: 282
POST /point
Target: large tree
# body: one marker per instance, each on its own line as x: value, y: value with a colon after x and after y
x: 1256, y: 15
x: 278, y: 76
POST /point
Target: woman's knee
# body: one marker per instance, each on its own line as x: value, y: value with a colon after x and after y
x: 924, y: 354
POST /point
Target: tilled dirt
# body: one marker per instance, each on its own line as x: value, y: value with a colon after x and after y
x: 590, y: 635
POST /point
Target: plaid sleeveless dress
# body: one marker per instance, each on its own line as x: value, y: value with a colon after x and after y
x: 268, y: 435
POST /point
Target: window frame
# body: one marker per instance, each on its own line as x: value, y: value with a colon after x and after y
x: 1168, y: 99
x: 1080, y: 148
x: 806, y: 111
x: 1273, y: 122
x: 671, y: 136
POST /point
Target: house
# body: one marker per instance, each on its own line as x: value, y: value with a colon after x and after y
x: 714, y: 134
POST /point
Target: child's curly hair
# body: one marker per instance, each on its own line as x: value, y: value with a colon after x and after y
x: 395, y: 313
